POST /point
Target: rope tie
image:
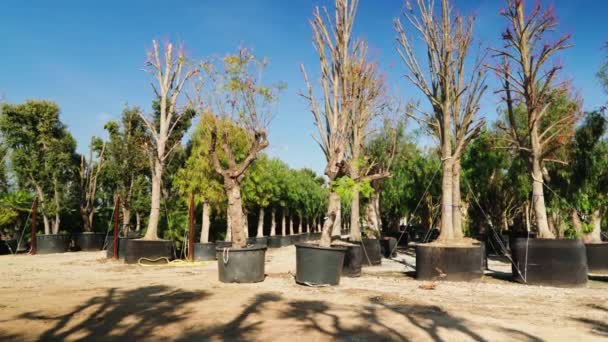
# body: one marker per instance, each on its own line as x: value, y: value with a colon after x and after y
x: 226, y: 255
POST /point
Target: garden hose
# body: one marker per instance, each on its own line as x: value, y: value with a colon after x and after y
x: 163, y: 261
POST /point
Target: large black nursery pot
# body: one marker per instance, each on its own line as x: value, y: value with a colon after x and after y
x: 52, y: 243
x: 597, y: 258
x: 353, y: 258
x: 8, y: 247
x: 388, y: 247
x: 449, y: 263
x: 372, y: 255
x: 317, y: 265
x: 150, y: 250
x: 549, y: 262
x: 204, y: 251
x: 241, y: 265
x: 258, y: 241
x: 274, y: 241
x: 89, y: 241
x: 122, y: 247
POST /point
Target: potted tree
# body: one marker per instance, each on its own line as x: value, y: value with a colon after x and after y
x: 89, y: 174
x: 343, y: 77
x: 43, y: 159
x: 240, y: 106
x: 199, y: 177
x: 454, y: 94
x: 165, y: 129
x: 528, y: 78
x: 279, y: 171
x: 258, y: 191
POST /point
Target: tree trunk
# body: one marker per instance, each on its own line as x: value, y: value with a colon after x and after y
x: 337, y: 227
x: 333, y: 213
x: 228, y: 228
x: 355, y: 226
x: 235, y: 212
x: 447, y: 228
x: 371, y: 217
x: 538, y: 199
x: 307, y: 226
x: 290, y: 225
x: 261, y: 223
x: 246, y: 224
x: 273, y: 223
x: 205, y: 222
x: 86, y: 224
x: 456, y: 201
x: 299, y: 228
x: 126, y: 218
x: 47, y: 224
x: 283, y: 223
x: 137, y: 221
x: 576, y: 222
x: 152, y: 231
x: 596, y: 234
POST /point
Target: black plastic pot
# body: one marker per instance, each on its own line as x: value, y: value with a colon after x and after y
x: 222, y: 244
x: 450, y: 263
x: 387, y: 245
x: 204, y: 251
x: 549, y: 262
x: 8, y: 247
x: 352, y: 261
x: 597, y: 258
x: 371, y: 252
x: 52, y: 243
x: 241, y: 265
x: 136, y: 249
x: 274, y: 241
x: 122, y: 247
x: 89, y: 241
x: 318, y: 265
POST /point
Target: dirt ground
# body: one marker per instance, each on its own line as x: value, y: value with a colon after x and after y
x: 82, y: 296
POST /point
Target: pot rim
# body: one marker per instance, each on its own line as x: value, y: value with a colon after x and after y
x: 316, y: 246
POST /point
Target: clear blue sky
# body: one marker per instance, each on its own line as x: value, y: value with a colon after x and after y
x: 88, y: 55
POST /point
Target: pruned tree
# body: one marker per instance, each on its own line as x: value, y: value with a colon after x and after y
x: 240, y: 106
x: 170, y: 70
x: 453, y: 91
x: 528, y: 79
x: 338, y: 54
x: 89, y: 175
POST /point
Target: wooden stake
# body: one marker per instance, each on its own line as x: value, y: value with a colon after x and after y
x: 191, y: 229
x: 116, y: 217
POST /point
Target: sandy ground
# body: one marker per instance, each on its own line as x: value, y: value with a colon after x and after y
x: 82, y: 296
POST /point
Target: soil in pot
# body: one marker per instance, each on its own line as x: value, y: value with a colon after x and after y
x: 147, y: 250
x: 52, y: 243
x: 204, y: 251
x: 388, y: 247
x: 87, y: 241
x: 241, y: 265
x: 435, y: 261
x: 597, y: 258
x: 353, y: 258
x: 549, y: 262
x: 371, y: 252
x: 121, y: 247
x: 317, y: 265
x: 8, y: 247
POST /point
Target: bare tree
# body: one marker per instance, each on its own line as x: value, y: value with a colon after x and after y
x: 454, y: 93
x: 338, y: 56
x: 171, y: 73
x: 89, y: 173
x: 528, y: 81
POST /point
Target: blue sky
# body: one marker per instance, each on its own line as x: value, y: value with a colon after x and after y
x: 88, y: 55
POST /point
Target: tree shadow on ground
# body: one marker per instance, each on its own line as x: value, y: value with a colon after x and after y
x: 121, y: 315
x: 598, y: 327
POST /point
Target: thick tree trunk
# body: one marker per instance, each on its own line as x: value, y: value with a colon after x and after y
x: 273, y: 223
x: 333, y: 214
x: 337, y: 227
x: 86, y: 224
x: 456, y: 201
x: 371, y: 216
x: 205, y: 222
x: 447, y: 228
x: 47, y: 224
x: 261, y: 223
x: 56, y: 224
x: 152, y: 231
x: 355, y: 226
x: 538, y: 199
x: 235, y: 212
x: 228, y: 228
x: 290, y: 225
x: 283, y: 223
x: 126, y: 218
x: 299, y: 228
x: 576, y: 222
x: 596, y: 234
